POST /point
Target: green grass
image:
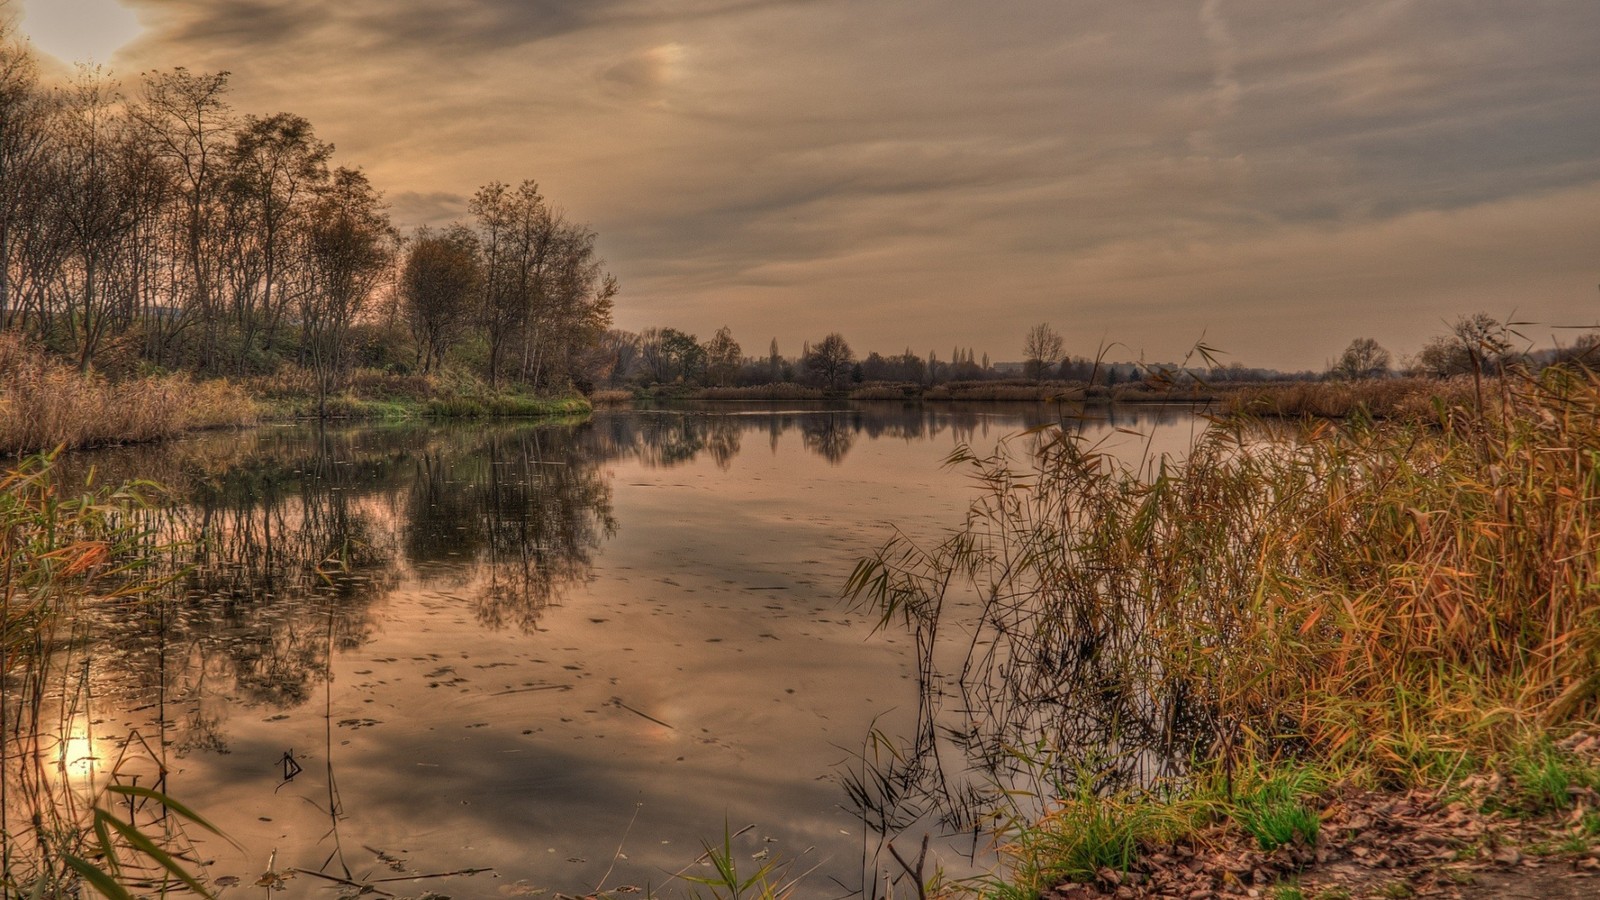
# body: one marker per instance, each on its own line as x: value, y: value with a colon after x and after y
x: 1279, y: 811
x: 1545, y: 779
x: 1087, y: 833
x: 768, y: 881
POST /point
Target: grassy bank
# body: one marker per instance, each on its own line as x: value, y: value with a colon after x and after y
x: 369, y: 394
x: 1401, y: 605
x: 47, y: 403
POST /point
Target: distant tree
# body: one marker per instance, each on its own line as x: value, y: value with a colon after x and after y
x: 829, y: 362
x: 1477, y: 344
x: 1364, y: 358
x: 723, y: 356
x: 438, y: 285
x: 1584, y: 351
x: 1041, y: 349
x: 1487, y: 341
x: 774, y: 362
x: 617, y: 356
x: 686, y: 359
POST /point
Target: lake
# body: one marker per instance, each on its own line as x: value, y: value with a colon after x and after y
x: 568, y: 653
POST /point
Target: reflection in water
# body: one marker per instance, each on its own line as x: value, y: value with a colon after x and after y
x: 356, y: 575
x: 306, y: 530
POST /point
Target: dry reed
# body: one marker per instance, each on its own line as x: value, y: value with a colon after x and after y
x: 1407, y: 597
x: 1380, y: 398
x: 45, y: 403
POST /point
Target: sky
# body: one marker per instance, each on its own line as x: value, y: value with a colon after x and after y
x: 1274, y: 179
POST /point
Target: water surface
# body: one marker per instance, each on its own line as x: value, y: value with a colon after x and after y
x: 568, y: 653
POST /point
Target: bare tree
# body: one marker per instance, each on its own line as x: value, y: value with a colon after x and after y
x: 617, y: 356
x: 1364, y: 358
x: 26, y: 111
x: 94, y: 195
x: 188, y: 121
x: 1041, y: 350
x: 830, y: 360
x: 438, y: 284
x: 723, y: 356
x: 1477, y: 344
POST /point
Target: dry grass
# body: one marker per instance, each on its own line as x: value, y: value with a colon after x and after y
x: 45, y: 403
x: 1410, y: 598
x: 611, y: 398
x: 1380, y: 398
x: 762, y: 392
x: 1005, y: 390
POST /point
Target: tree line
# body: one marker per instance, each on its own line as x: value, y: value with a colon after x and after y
x: 157, y: 226
x: 1475, y: 343
x: 664, y: 355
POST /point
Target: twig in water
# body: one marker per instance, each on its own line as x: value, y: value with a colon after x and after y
x: 617, y: 701
x: 615, y: 856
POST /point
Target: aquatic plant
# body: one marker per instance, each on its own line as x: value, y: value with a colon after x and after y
x: 60, y: 828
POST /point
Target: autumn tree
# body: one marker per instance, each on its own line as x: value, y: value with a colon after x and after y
x: 570, y: 310
x: 514, y: 226
x: 350, y: 252
x: 1041, y: 350
x: 1364, y: 358
x: 439, y: 282
x: 274, y: 166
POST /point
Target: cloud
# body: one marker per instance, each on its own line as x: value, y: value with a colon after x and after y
x: 882, y: 169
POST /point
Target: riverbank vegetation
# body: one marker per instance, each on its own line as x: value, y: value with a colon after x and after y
x: 46, y: 402
x: 1400, y: 604
x: 157, y: 241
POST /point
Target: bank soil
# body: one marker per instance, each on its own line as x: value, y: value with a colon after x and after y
x: 1372, y: 844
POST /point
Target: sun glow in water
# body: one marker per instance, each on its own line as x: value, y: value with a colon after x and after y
x: 78, y: 30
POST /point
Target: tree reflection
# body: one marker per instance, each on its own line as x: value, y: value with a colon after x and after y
x: 289, y: 549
